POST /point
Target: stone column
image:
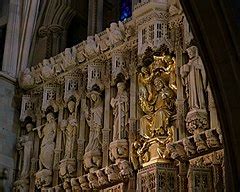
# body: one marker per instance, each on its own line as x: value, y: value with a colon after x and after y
x: 181, y: 111
x: 12, y: 39
x: 95, y: 16
x: 214, y: 122
x: 34, y: 160
x: 107, y: 124
x: 81, y: 138
x: 217, y: 177
x: 182, y: 175
x: 132, y: 135
x: 58, y: 148
x: 29, y: 16
x: 157, y: 177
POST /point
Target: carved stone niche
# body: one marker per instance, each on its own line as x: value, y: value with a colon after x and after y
x: 67, y: 168
x: 96, y: 72
x: 72, y: 85
x: 50, y: 96
x: 27, y: 109
x: 197, y: 121
x: 118, y: 150
x: 119, y: 66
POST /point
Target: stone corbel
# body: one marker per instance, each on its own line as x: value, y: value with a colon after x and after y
x: 75, y: 185
x: 67, y: 168
x: 118, y: 150
x: 83, y: 180
x: 27, y: 109
x: 196, y: 145
x: 197, y: 121
x: 67, y: 185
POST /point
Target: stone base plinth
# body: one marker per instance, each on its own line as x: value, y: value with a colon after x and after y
x: 157, y: 177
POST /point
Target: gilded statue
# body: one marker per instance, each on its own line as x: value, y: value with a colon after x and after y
x: 120, y: 106
x: 157, y: 97
x: 162, y: 108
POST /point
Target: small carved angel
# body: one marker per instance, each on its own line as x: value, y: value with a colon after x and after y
x: 114, y: 33
x: 101, y: 43
x: 47, y: 70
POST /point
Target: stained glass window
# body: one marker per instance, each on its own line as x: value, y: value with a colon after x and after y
x: 126, y: 9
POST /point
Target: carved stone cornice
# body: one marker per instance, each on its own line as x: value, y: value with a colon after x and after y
x: 106, y: 177
x: 197, y: 145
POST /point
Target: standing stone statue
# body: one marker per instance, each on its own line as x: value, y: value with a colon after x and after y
x: 47, y: 134
x: 120, y: 106
x: 70, y: 129
x: 194, y: 78
x: 94, y: 118
x: 26, y: 144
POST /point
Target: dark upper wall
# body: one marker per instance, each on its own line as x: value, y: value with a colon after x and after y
x: 216, y: 27
x: 59, y: 25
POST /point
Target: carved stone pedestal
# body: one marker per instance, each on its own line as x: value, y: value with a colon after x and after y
x: 157, y: 177
x: 119, y: 150
x: 154, y: 151
x: 197, y: 121
x: 43, y: 178
x: 67, y: 168
x: 21, y: 185
x: 92, y: 160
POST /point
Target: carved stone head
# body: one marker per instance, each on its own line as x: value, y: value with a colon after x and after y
x: 71, y: 106
x: 121, y: 87
x: 50, y: 117
x: 29, y: 127
x: 192, y: 52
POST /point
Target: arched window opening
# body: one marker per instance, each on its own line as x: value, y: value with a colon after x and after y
x: 126, y: 9
x: 77, y: 31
